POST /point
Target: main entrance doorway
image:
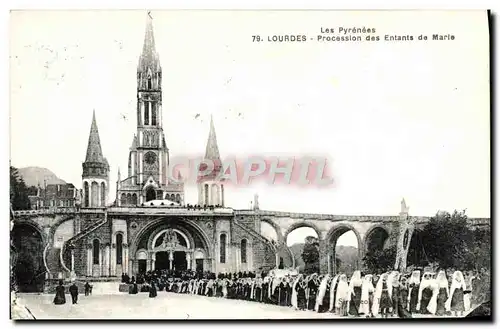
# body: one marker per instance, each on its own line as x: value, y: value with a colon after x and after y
x: 179, y: 262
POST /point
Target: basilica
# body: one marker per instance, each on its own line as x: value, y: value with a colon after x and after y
x: 149, y: 226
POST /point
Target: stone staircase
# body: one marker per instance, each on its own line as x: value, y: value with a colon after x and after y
x: 53, y: 262
x: 65, y: 254
x: 260, y: 237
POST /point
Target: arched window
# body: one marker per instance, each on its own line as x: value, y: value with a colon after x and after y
x: 153, y: 114
x: 123, y: 199
x: 150, y: 82
x: 94, y: 202
x: 119, y: 248
x: 134, y: 199
x: 103, y: 194
x: 214, y: 194
x: 243, y: 251
x: 86, y: 194
x: 146, y: 112
x: 222, y: 195
x: 178, y: 198
x: 129, y: 198
x: 206, y: 194
x: 95, y: 251
x: 150, y: 194
x: 222, y: 248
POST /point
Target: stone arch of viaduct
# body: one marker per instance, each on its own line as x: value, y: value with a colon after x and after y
x: 329, y: 229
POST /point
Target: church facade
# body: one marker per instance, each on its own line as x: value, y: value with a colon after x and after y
x: 149, y: 226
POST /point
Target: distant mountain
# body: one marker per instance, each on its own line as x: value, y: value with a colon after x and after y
x: 347, y: 255
x: 36, y: 175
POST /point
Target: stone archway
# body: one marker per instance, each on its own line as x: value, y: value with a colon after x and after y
x: 331, y: 242
x: 28, y: 269
x: 193, y: 235
x: 376, y: 239
x: 295, y: 248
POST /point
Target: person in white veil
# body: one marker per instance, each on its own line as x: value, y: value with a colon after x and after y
x: 443, y: 293
x: 224, y: 288
x: 341, y: 303
x: 413, y: 287
x: 294, y: 292
x: 367, y: 291
x: 455, y: 302
x: 427, y: 295
x: 333, y: 290
x: 354, y: 297
x: 321, y: 292
x: 378, y: 294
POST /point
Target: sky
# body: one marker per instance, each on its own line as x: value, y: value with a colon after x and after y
x: 395, y: 119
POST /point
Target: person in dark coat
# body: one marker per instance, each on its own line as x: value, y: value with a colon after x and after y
x: 385, y: 300
x: 152, y: 290
x: 313, y: 291
x: 402, y: 303
x: 60, y: 297
x: 301, y: 295
x: 87, y: 288
x: 73, y: 290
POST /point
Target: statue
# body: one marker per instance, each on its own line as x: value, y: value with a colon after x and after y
x: 404, y: 208
x: 170, y: 238
x: 256, y: 202
x: 406, y: 228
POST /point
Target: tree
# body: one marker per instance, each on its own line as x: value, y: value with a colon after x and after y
x: 18, y: 191
x: 447, y: 239
x: 378, y: 261
x: 310, y: 255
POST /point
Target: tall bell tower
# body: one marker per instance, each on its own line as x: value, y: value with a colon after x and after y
x: 149, y: 155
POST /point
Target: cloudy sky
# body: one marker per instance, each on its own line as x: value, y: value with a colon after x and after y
x: 395, y: 119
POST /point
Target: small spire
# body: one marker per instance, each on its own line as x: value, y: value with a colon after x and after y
x: 134, y: 143
x: 119, y: 174
x: 94, y: 151
x: 212, y: 150
x: 256, y: 201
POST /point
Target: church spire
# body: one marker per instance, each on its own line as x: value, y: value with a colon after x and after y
x: 94, y: 151
x: 212, y: 151
x: 149, y: 58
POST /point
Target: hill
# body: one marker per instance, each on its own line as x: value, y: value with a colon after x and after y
x: 36, y: 175
x: 347, y: 255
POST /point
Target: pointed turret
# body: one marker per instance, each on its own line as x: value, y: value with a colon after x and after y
x: 95, y: 171
x: 134, y: 143
x: 212, y: 150
x: 210, y: 188
x: 149, y: 58
x: 94, y: 151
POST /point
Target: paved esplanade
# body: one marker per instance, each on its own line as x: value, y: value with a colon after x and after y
x: 165, y: 306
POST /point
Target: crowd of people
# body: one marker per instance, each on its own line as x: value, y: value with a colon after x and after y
x: 391, y: 294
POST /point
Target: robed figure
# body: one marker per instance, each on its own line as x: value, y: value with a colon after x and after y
x: 402, y: 305
x: 355, y: 293
x: 413, y: 288
x: 442, y: 293
x: 456, y: 302
x: 427, y: 295
x: 367, y: 291
x: 60, y: 297
x: 312, y: 286
x: 152, y: 290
